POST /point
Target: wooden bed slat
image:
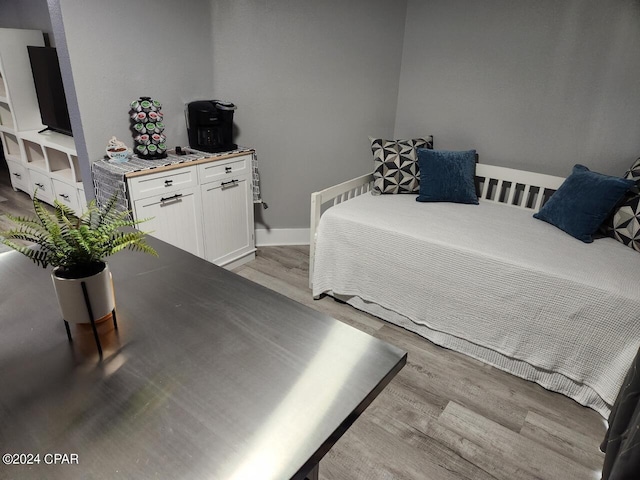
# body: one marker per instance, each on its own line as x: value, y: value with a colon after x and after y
x: 512, y: 194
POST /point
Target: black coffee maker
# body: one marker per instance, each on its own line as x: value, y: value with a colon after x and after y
x: 210, y: 125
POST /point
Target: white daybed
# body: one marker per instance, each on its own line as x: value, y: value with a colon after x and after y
x: 486, y: 280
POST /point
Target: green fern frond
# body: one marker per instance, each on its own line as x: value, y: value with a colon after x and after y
x: 144, y: 248
x: 106, y: 212
x: 44, y: 217
x: 28, y: 235
x: 72, y: 241
x: 131, y: 240
x: 62, y: 212
x: 31, y: 221
x: 39, y: 257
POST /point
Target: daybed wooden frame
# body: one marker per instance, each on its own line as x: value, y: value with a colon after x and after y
x: 517, y: 188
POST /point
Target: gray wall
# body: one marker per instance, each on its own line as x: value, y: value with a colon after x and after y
x: 120, y: 50
x: 27, y: 14
x: 311, y: 79
x: 114, y: 52
x: 539, y: 85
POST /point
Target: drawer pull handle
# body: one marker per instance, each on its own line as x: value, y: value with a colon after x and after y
x: 40, y: 185
x: 227, y: 169
x: 173, y: 197
x: 168, y: 183
x: 17, y: 175
x: 65, y: 196
x: 230, y: 183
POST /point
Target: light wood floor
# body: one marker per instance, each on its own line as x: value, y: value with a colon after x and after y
x: 15, y: 203
x: 445, y: 416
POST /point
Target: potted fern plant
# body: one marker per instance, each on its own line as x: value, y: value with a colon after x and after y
x: 76, y: 246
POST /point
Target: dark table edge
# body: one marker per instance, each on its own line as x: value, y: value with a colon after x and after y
x: 344, y: 426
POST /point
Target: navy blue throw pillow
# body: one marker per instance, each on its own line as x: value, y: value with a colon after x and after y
x: 583, y: 201
x: 447, y: 176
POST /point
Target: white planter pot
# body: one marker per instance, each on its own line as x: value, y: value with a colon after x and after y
x: 72, y: 301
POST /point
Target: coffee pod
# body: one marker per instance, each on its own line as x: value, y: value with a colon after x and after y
x: 139, y: 128
x: 160, y: 126
x: 153, y: 116
x: 152, y: 149
x: 146, y: 105
x: 139, y: 117
x: 157, y: 104
x: 135, y: 106
x: 142, y: 150
x: 156, y: 137
x: 162, y: 147
x: 143, y: 139
x: 151, y: 127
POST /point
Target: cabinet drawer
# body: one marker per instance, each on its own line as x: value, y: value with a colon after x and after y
x: 67, y: 195
x: 229, y: 182
x: 175, y: 218
x: 212, y: 171
x: 163, y: 182
x: 19, y: 176
x: 42, y: 183
x: 228, y: 208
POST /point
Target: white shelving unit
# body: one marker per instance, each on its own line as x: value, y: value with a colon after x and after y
x: 45, y: 162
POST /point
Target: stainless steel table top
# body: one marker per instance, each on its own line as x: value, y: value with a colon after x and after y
x: 209, y: 376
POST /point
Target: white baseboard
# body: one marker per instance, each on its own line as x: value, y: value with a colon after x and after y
x: 281, y: 236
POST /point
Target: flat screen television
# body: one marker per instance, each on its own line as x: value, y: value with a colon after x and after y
x: 49, y: 89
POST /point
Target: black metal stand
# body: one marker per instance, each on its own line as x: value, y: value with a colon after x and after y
x: 93, y: 321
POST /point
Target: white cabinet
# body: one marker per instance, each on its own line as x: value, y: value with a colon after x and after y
x: 18, y: 101
x: 44, y: 160
x: 164, y: 182
x: 174, y: 218
x: 41, y: 186
x: 19, y: 175
x: 68, y: 195
x: 212, y: 171
x: 51, y: 155
x: 228, y: 230
x: 205, y: 208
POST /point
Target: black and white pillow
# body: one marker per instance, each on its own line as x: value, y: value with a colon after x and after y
x: 634, y: 174
x: 396, y: 164
x: 624, y: 222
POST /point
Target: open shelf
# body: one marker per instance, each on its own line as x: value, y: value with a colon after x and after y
x: 35, y: 155
x: 10, y: 144
x: 6, y: 119
x: 57, y: 160
x: 65, y: 174
x: 48, y: 138
x: 61, y: 165
x: 76, y: 168
x: 3, y: 87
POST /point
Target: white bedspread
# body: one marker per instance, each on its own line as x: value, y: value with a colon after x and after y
x: 492, y: 282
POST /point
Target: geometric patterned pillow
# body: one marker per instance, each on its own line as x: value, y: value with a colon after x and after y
x: 626, y: 223
x: 396, y: 164
x: 634, y: 174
